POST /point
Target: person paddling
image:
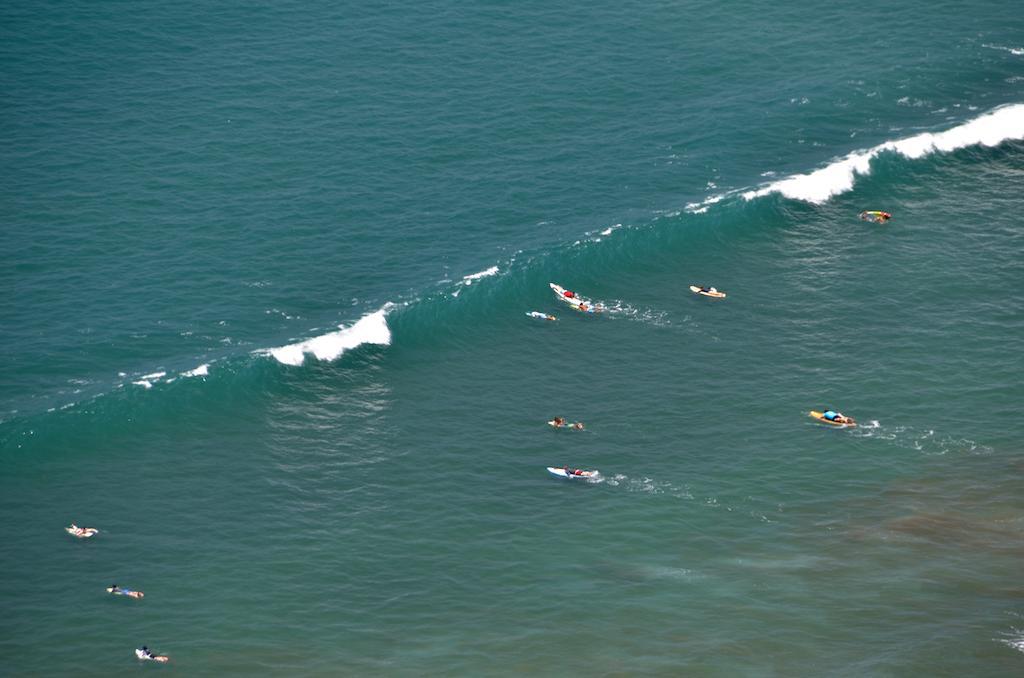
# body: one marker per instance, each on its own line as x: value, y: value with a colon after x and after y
x: 837, y: 417
x: 118, y: 591
x: 147, y: 654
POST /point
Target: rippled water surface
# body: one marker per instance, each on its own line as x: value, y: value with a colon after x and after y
x: 266, y: 281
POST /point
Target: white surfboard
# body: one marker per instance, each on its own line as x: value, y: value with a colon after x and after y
x: 577, y: 302
x: 564, y: 473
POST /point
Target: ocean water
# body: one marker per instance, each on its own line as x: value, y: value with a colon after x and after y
x: 265, y: 275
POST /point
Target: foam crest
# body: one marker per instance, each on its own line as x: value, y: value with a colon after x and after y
x: 596, y: 235
x: 146, y: 380
x: 468, y: 279
x: 818, y: 186
x: 703, y: 206
x: 200, y: 371
x: 370, y: 329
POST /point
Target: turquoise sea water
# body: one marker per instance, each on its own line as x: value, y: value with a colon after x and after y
x: 265, y: 276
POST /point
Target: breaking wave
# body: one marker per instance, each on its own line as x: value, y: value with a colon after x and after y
x: 817, y: 187
x: 468, y: 279
x: 989, y: 129
x: 370, y: 329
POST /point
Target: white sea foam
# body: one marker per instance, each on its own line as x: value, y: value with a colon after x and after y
x: 370, y: 329
x: 648, y: 485
x: 1014, y: 638
x: 617, y: 307
x: 146, y: 380
x: 817, y: 187
x: 1016, y: 51
x: 926, y: 441
x: 468, y: 279
x: 702, y: 206
x: 200, y: 371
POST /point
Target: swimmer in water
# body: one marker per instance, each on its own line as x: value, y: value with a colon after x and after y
x: 81, y: 532
x: 147, y: 654
x: 118, y: 591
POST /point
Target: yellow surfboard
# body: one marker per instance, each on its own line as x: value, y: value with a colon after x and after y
x: 713, y: 293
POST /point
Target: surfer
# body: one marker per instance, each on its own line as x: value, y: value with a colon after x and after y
x: 81, y: 532
x: 557, y: 422
x: 578, y: 426
x: 118, y: 591
x: 876, y: 216
x: 146, y: 653
x: 837, y: 417
x: 707, y: 291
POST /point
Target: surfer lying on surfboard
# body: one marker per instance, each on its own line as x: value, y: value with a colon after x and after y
x: 572, y: 473
x: 80, y: 532
x: 833, y: 417
x: 118, y: 591
x: 560, y: 422
x: 575, y: 300
x: 706, y: 291
x: 876, y: 216
x: 147, y: 654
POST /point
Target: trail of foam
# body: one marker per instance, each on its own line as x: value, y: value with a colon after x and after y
x: 817, y: 187
x: 370, y: 329
x: 1014, y: 638
x: 648, y: 485
x: 1016, y: 51
x: 927, y: 442
x: 619, y: 308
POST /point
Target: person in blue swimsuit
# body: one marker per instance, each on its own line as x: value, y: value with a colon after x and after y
x: 832, y: 415
x: 118, y: 591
